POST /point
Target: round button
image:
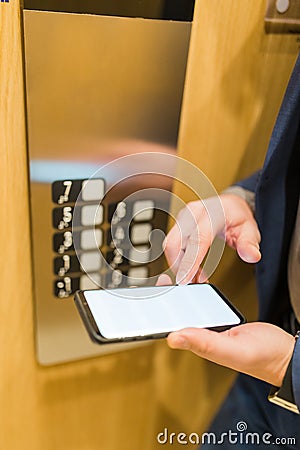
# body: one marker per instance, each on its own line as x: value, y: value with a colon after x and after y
x: 282, y: 6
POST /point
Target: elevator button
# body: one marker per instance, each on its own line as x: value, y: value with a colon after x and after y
x: 116, y: 279
x: 91, y: 215
x: 282, y: 6
x: 62, y: 217
x: 63, y: 242
x: 117, y: 258
x: 65, y: 287
x: 66, y: 264
x: 90, y: 261
x: 93, y: 189
x: 91, y: 281
x: 140, y: 233
x: 137, y: 276
x: 66, y: 191
x: 91, y: 239
x: 119, y: 237
x: 139, y: 255
x: 143, y: 210
x: 119, y: 212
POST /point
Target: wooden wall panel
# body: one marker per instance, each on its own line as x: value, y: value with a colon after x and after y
x: 236, y: 77
x: 235, y: 82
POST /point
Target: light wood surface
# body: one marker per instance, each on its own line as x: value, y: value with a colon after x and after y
x: 235, y: 82
x: 236, y: 78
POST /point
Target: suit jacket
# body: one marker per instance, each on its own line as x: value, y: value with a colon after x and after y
x: 277, y: 187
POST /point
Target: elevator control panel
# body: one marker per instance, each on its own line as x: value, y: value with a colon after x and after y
x: 102, y: 233
x: 104, y: 82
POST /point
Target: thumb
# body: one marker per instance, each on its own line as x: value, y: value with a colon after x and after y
x: 222, y: 348
x: 247, y: 242
x: 190, y: 339
x: 248, y: 251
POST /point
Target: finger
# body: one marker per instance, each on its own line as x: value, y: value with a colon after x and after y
x: 176, y: 240
x: 175, y: 265
x: 172, y: 248
x: 197, y: 246
x: 164, y: 280
x: 201, y: 276
x: 247, y: 242
x: 220, y: 348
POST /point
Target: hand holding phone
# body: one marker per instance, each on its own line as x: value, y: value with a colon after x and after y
x: 122, y: 315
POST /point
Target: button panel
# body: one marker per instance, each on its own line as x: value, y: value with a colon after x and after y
x: 81, y: 270
x: 109, y: 244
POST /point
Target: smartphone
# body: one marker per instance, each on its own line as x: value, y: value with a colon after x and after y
x: 129, y: 314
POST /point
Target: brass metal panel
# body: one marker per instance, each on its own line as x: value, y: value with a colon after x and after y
x: 97, y: 88
x: 93, y: 80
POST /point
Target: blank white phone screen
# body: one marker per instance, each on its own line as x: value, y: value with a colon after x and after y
x: 145, y: 311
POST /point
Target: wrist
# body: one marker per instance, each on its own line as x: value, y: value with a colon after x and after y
x: 284, y: 395
x: 243, y: 193
x: 285, y: 359
x: 229, y: 198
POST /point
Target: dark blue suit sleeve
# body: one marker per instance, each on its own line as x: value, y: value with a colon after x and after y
x: 296, y: 373
x: 251, y: 182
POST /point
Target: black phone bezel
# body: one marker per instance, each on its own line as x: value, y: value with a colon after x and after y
x: 95, y: 335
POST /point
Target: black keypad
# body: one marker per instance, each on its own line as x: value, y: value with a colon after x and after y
x: 66, y: 264
x: 66, y: 191
x: 116, y: 279
x: 65, y: 287
x: 117, y: 258
x: 119, y: 212
x: 118, y: 236
x: 93, y: 232
x: 62, y: 217
x: 63, y: 242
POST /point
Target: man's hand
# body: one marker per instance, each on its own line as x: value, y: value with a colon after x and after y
x: 258, y: 349
x: 199, y: 223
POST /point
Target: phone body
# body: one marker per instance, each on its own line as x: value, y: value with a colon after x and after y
x: 130, y: 314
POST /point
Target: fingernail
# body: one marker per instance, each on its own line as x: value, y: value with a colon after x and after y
x: 254, y: 256
x: 180, y: 277
x: 180, y: 342
x: 251, y: 254
x: 164, y: 244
